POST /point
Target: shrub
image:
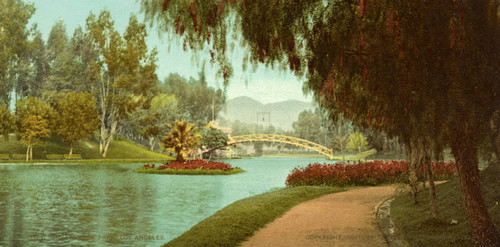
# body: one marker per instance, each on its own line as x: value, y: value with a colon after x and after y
x: 362, y: 173
x: 193, y: 165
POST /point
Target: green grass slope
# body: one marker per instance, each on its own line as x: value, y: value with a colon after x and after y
x: 452, y: 228
x: 89, y: 149
x: 235, y: 223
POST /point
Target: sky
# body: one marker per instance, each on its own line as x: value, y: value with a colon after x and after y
x: 265, y: 85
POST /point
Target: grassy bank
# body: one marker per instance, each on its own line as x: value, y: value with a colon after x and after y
x: 119, y: 150
x: 290, y: 155
x: 238, y: 221
x: 188, y: 171
x: 356, y: 157
x: 452, y: 228
x: 352, y: 157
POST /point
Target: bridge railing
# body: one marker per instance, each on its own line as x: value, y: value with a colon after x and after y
x: 282, y: 139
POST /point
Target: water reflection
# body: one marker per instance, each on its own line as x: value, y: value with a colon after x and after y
x: 59, y: 205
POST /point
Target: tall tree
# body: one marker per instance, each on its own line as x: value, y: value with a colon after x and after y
x: 6, y: 121
x: 195, y: 97
x: 122, y: 69
x: 151, y: 122
x: 181, y: 140
x: 14, y: 17
x: 308, y: 126
x: 65, y: 56
x: 383, y: 63
x: 76, y: 118
x: 39, y: 67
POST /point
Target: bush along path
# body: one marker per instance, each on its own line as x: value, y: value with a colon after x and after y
x: 340, y: 219
x: 363, y: 173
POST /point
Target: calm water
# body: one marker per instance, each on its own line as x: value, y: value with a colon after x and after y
x: 96, y: 205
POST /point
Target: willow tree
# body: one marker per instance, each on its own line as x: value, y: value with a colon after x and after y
x: 122, y: 69
x: 415, y: 69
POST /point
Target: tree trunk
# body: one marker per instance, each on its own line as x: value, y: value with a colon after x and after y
x: 31, y: 152
x: 108, y: 138
x: 432, y: 189
x: 103, y: 136
x: 105, y: 150
x: 152, y: 142
x: 180, y: 156
x: 28, y: 153
x: 432, y: 186
x: 71, y: 149
x: 412, y: 170
x: 464, y: 149
x: 495, y: 133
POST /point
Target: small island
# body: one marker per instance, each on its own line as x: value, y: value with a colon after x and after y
x: 191, y: 167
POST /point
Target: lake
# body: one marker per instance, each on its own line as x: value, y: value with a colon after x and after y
x: 76, y: 204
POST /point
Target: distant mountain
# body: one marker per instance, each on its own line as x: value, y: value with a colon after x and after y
x: 280, y: 114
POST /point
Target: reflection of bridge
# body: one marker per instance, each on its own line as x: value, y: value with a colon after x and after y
x: 282, y: 139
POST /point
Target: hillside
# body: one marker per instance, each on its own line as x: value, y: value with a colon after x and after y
x: 88, y: 148
x: 282, y: 114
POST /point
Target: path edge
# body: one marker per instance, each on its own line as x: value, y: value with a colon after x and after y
x: 387, y: 227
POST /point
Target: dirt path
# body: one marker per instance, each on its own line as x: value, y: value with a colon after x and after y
x: 340, y: 219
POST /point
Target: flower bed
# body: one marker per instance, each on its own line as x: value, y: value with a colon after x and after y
x: 191, y: 167
x: 362, y: 173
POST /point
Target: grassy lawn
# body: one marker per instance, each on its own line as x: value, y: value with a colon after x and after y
x: 188, y: 171
x: 303, y: 155
x: 356, y: 157
x: 118, y: 152
x: 420, y: 229
x: 352, y: 157
x: 238, y: 221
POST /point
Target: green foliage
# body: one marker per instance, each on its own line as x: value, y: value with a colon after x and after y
x: 195, y: 97
x: 212, y: 138
x: 14, y: 17
x: 37, y: 68
x: 6, y: 121
x: 77, y: 117
x: 58, y: 40
x: 121, y: 69
x: 33, y: 106
x: 150, y: 122
x: 237, y: 222
x: 34, y: 129
x: 34, y: 120
x: 357, y: 141
x: 66, y: 72
x: 120, y: 152
x: 181, y: 140
x: 189, y: 171
x: 308, y: 126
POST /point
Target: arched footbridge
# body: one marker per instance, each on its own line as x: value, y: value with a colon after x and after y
x: 282, y: 139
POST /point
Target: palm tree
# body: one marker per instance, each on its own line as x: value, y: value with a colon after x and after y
x: 182, y: 140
